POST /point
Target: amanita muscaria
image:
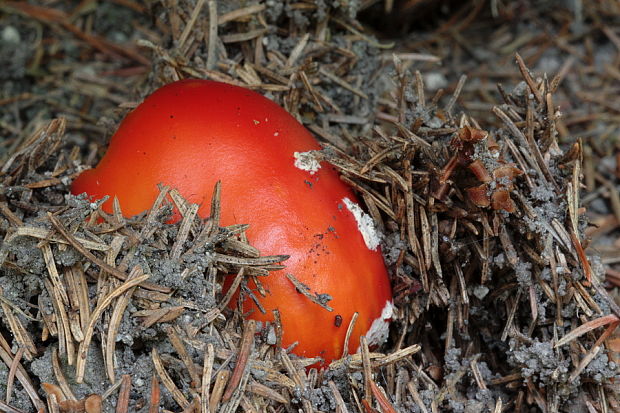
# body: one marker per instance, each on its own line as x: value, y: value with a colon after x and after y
x: 192, y: 133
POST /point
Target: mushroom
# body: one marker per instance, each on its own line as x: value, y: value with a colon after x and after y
x: 190, y: 134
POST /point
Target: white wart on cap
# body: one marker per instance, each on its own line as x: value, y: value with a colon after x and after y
x: 365, y: 225
x: 379, y: 330
x: 307, y: 161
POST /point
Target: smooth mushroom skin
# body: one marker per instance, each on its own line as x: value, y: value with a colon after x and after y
x: 192, y: 133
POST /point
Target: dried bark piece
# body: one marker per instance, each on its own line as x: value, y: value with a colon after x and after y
x: 505, y: 174
x: 473, y: 135
x: 481, y: 172
x: 479, y: 195
x: 500, y: 200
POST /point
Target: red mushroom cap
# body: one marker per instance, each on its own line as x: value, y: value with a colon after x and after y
x: 192, y: 133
